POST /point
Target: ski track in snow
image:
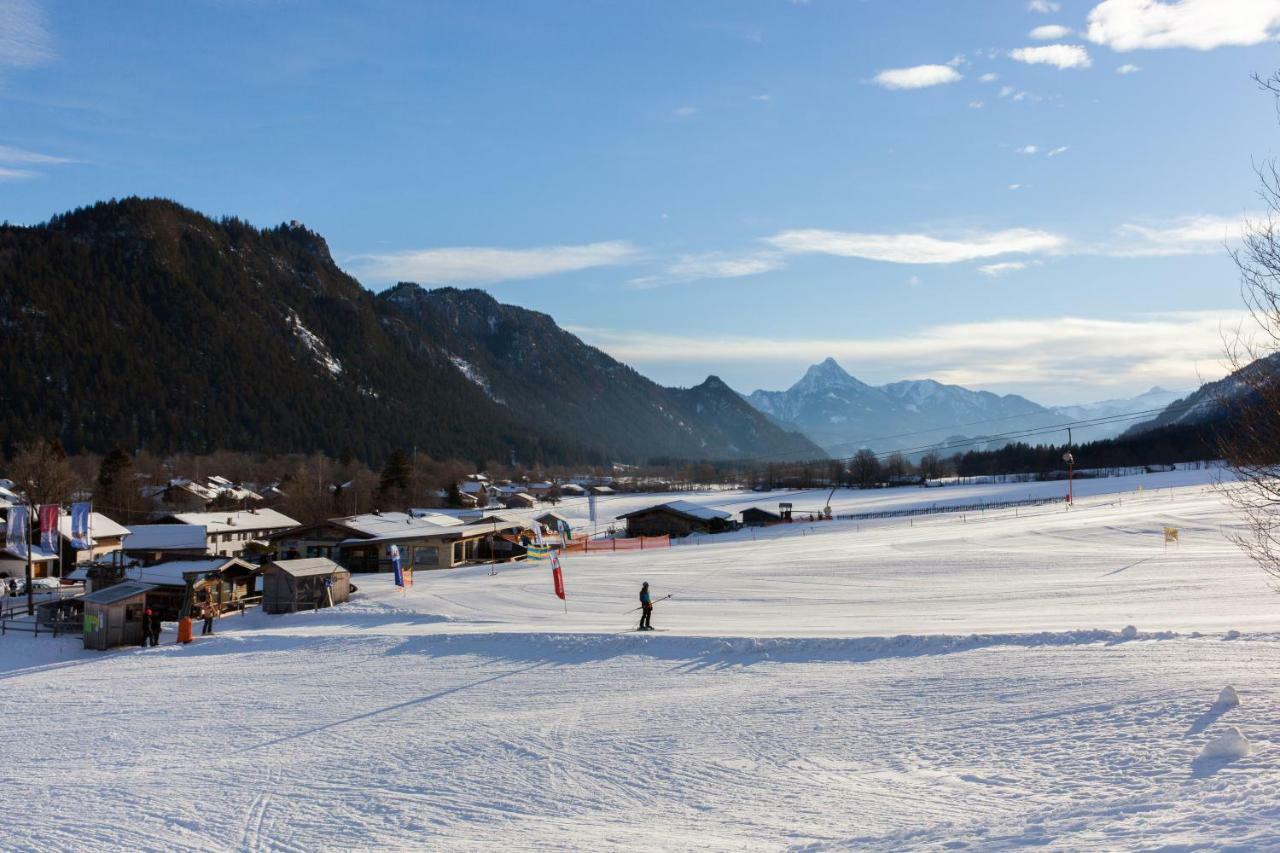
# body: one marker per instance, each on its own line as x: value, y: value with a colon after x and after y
x: 941, y: 684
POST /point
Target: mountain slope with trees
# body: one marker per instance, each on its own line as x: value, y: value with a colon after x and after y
x: 142, y: 324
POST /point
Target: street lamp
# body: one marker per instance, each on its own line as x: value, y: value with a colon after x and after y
x: 1071, y: 461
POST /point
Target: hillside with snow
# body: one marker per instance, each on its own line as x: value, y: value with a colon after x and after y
x: 1037, y: 676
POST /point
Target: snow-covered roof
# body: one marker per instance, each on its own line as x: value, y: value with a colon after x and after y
x: 172, y: 574
x: 693, y: 510
x: 307, y: 567
x: 99, y: 525
x: 375, y: 525
x: 38, y: 554
x: 491, y: 518
x: 166, y: 537
x: 223, y: 522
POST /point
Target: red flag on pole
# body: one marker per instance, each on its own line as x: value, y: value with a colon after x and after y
x: 557, y: 576
x: 49, y: 526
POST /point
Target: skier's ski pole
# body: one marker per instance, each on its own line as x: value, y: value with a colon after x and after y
x: 664, y: 598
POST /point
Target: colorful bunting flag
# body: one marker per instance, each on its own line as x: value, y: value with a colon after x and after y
x: 49, y: 527
x: 17, y: 537
x: 81, y: 534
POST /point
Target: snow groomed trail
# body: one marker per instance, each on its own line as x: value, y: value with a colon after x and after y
x: 1042, y: 679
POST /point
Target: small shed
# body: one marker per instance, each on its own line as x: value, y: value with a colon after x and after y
x: 292, y: 585
x: 572, y: 490
x: 754, y: 516
x: 113, y: 616
x: 523, y: 500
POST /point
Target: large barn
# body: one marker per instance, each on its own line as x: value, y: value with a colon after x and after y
x: 675, y: 519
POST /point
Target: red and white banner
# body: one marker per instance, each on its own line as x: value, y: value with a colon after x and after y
x: 49, y: 526
x: 557, y: 576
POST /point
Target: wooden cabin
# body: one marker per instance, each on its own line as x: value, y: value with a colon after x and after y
x: 676, y: 519
x: 754, y: 516
x: 113, y: 616
x: 292, y: 585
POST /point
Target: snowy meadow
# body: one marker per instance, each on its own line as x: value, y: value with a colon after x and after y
x: 1042, y: 676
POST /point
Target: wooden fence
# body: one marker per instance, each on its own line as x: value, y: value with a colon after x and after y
x: 635, y: 543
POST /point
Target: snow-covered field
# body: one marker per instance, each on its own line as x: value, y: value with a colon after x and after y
x: 938, y: 682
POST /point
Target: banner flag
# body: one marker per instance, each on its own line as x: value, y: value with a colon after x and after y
x: 17, y: 539
x: 591, y: 507
x: 80, y: 522
x: 49, y: 527
x: 536, y: 526
x: 537, y: 552
x: 565, y: 531
x: 394, y: 551
x: 557, y: 576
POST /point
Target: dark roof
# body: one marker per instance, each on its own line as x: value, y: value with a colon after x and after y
x: 119, y: 592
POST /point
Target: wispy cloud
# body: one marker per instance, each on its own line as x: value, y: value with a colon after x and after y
x: 482, y: 264
x: 1128, y: 68
x: 916, y: 248
x: 1190, y: 235
x: 1044, y: 7
x: 1198, y: 24
x: 1061, y: 56
x: 989, y: 77
x: 711, y: 265
x: 1002, y: 268
x: 24, y: 39
x: 684, y: 112
x: 1027, y: 149
x: 1061, y: 149
x: 917, y: 77
x: 7, y: 174
x: 12, y: 155
x: 1063, y: 352
x: 1049, y: 32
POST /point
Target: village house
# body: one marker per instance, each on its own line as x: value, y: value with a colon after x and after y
x: 754, y: 516
x: 153, y: 543
x: 105, y: 535
x: 572, y: 490
x: 292, y: 585
x: 676, y: 519
x: 229, y: 533
x: 183, y: 495
x: 520, y: 500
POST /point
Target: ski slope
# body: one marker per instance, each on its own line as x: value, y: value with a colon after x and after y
x: 994, y: 681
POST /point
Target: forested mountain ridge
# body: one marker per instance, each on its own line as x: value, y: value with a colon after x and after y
x: 142, y: 323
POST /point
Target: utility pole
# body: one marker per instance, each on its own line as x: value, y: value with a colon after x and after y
x: 31, y: 598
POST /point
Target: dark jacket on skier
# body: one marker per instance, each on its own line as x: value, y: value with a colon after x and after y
x: 646, y: 608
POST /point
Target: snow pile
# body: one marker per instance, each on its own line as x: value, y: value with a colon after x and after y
x: 1228, y: 746
x: 1228, y: 698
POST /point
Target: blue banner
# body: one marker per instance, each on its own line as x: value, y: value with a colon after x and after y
x: 17, y: 534
x: 80, y: 526
x: 394, y: 550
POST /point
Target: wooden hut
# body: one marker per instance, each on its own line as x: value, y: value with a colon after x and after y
x: 754, y: 516
x: 113, y: 616
x: 292, y: 585
x: 675, y: 519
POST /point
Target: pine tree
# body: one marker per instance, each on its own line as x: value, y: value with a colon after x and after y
x: 116, y: 491
x: 396, y: 477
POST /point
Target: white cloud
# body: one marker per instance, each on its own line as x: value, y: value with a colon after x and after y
x: 917, y: 77
x: 1128, y: 68
x: 1044, y: 7
x: 684, y: 112
x: 916, y: 248
x: 1017, y: 186
x: 1059, y: 354
x: 761, y: 97
x: 24, y: 40
x: 1061, y: 149
x: 713, y: 265
x: 1006, y: 91
x: 989, y: 77
x: 16, y: 174
x: 1198, y: 24
x: 473, y: 264
x: 976, y: 105
x: 1049, y: 32
x: 1027, y: 149
x: 1058, y: 55
x: 999, y: 269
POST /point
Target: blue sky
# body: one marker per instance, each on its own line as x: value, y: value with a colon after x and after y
x: 1023, y: 197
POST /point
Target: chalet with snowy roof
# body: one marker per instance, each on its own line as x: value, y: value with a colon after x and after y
x: 602, y: 490
x: 153, y: 543
x: 425, y: 539
x: 229, y: 533
x: 572, y: 490
x: 520, y: 500
x: 676, y: 519
x: 754, y: 516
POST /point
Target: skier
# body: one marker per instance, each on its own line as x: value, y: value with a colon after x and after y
x: 646, y: 608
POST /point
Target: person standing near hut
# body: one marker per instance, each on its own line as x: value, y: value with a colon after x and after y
x: 209, y: 611
x: 153, y: 626
x: 146, y: 627
x: 646, y: 608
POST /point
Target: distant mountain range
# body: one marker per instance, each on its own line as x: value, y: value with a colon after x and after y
x: 1213, y: 401
x: 144, y: 324
x: 843, y: 414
